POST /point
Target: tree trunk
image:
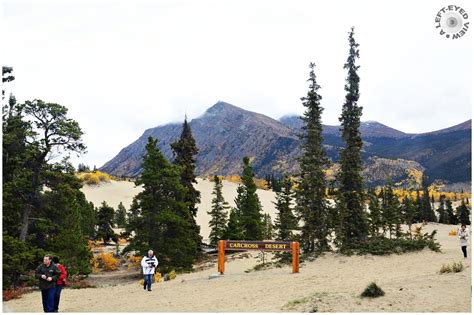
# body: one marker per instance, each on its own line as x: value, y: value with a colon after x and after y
x: 25, y: 218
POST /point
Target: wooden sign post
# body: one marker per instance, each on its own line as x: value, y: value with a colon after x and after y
x: 293, y: 247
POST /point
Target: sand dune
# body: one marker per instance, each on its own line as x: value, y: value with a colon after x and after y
x: 115, y: 192
x: 331, y: 283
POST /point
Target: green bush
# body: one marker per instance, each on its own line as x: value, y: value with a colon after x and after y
x: 372, y: 290
x: 384, y: 246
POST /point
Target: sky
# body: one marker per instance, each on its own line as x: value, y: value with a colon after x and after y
x: 121, y: 67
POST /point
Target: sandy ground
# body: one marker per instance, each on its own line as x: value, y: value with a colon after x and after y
x: 115, y: 192
x: 331, y: 283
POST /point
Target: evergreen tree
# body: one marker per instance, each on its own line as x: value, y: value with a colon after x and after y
x: 185, y: 150
x: 442, y: 214
x: 248, y: 205
x: 350, y: 197
x: 159, y: 217
x: 285, y: 221
x: 234, y: 227
x: 218, y: 213
x: 426, y: 209
x: 312, y: 206
x: 267, y: 227
x: 105, y: 222
x: 375, y: 214
x: 391, y: 211
x: 463, y: 213
x: 409, y: 212
x: 452, y: 218
x: 419, y: 209
x: 120, y: 216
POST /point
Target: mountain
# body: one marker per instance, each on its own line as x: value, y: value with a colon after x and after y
x: 226, y: 133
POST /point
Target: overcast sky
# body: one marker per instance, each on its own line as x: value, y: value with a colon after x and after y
x: 124, y: 66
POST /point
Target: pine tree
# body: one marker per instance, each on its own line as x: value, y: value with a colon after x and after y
x: 350, y: 197
x: 105, y: 222
x: 248, y: 205
x: 442, y: 214
x: 159, y: 217
x: 218, y: 213
x: 391, y: 211
x: 185, y: 151
x: 267, y: 227
x: 463, y: 213
x: 427, y: 211
x: 285, y: 221
x: 419, y: 209
x: 409, y: 212
x: 452, y: 218
x: 234, y: 227
x: 312, y: 206
x: 120, y: 216
x: 375, y: 214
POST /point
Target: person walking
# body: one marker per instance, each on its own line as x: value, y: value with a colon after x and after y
x: 47, y: 273
x: 149, y: 263
x: 463, y: 235
x: 60, y: 283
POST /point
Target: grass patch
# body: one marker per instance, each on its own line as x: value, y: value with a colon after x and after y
x: 15, y: 293
x: 372, y: 291
x: 304, y: 300
x: 452, y: 268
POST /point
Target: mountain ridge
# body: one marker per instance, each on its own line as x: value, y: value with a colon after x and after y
x: 225, y: 133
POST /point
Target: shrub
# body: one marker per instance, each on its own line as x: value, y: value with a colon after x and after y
x: 15, y: 293
x: 372, y: 291
x: 384, y: 246
x: 172, y: 275
x: 108, y: 262
x: 454, y: 267
x: 453, y: 233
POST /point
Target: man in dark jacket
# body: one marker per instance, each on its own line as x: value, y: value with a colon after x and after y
x: 47, y: 273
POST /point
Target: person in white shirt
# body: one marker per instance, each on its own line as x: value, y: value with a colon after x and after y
x: 463, y: 235
x: 149, y: 263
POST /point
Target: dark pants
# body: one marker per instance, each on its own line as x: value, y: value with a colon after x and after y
x: 57, y: 297
x: 147, y: 283
x: 48, y: 299
x: 464, y: 251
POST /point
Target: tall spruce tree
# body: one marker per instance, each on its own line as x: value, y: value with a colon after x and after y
x: 312, y: 205
x: 391, y: 211
x: 426, y: 210
x: 159, y: 217
x: 452, y: 218
x: 375, y: 214
x: 120, y: 216
x: 105, y: 222
x: 463, y: 213
x: 248, y: 204
x: 409, y: 212
x: 442, y: 214
x: 218, y: 213
x: 350, y: 197
x: 268, y: 229
x: 185, y: 151
x: 285, y: 221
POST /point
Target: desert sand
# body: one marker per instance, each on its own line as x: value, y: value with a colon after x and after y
x: 331, y: 283
x: 115, y: 192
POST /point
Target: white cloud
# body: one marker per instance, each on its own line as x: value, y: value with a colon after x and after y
x: 124, y: 66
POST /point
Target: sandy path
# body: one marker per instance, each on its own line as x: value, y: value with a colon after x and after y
x: 332, y: 282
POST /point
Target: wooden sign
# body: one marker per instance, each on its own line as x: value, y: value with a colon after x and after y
x: 256, y: 245
x: 293, y: 247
